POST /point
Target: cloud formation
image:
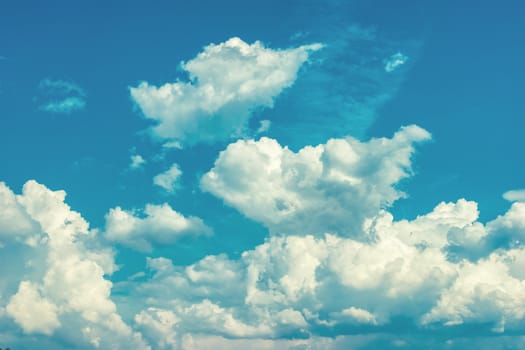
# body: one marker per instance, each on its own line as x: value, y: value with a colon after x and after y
x: 306, y: 286
x: 331, y: 187
x: 155, y: 224
x: 440, y: 271
x: 228, y: 81
x: 60, y: 96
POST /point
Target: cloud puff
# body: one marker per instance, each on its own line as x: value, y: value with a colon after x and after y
x: 169, y: 180
x: 137, y: 161
x: 59, y: 96
x: 160, y: 224
x: 331, y: 187
x: 264, y: 126
x: 395, y: 61
x: 515, y: 196
x: 228, y: 81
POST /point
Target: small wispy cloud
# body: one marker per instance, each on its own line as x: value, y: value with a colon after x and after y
x: 66, y: 105
x: 395, y: 61
x: 60, y: 96
x: 264, y: 126
x: 137, y: 161
x: 60, y: 87
x: 515, y: 195
x: 169, y: 180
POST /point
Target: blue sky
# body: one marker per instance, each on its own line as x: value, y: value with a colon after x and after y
x: 289, y: 175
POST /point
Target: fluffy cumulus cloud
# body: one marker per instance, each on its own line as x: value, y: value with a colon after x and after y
x: 331, y: 187
x: 60, y: 96
x: 61, y: 287
x: 155, y: 224
x: 228, y: 81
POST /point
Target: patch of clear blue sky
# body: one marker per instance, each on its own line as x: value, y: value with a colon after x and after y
x: 462, y: 82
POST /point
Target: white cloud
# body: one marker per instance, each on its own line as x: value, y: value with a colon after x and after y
x: 447, y: 222
x: 60, y: 96
x: 508, y: 230
x: 476, y: 240
x: 357, y: 315
x: 160, y: 224
x: 169, y: 180
x: 228, y: 81
x: 137, y: 161
x: 332, y: 187
x: 515, y: 196
x: 395, y: 61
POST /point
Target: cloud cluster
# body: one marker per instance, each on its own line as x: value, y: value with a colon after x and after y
x: 440, y: 271
x: 61, y: 284
x: 331, y: 187
x: 60, y: 96
x: 338, y: 262
x: 301, y: 286
x: 228, y: 81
